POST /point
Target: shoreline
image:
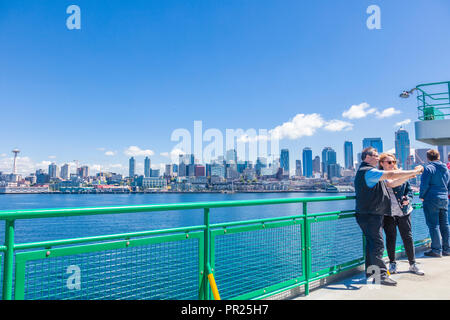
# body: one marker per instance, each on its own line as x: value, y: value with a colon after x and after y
x: 180, y: 192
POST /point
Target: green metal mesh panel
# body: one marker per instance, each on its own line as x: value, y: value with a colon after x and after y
x: 166, y: 270
x: 334, y: 242
x: 1, y: 275
x: 248, y: 261
x: 419, y: 226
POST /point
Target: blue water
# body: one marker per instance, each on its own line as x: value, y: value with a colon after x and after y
x: 69, y: 227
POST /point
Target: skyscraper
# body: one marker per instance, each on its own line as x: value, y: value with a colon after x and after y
x: 325, y: 160
x: 444, y: 151
x: 348, y: 154
x: 298, y: 168
x: 284, y: 160
x: 147, y: 167
x: 53, y: 170
x: 307, y: 162
x: 316, y: 165
x: 376, y: 143
x: 231, y: 155
x: 132, y: 166
x: 65, y: 172
x: 402, y: 148
x: 332, y: 168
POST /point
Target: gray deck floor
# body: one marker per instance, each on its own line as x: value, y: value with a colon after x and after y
x: 435, y: 284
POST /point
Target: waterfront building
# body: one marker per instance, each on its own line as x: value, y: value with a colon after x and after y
x: 147, y: 167
x: 217, y: 170
x: 298, y: 168
x: 348, y: 154
x: 151, y: 182
x: 402, y: 148
x: 284, y: 160
x: 376, y: 143
x: 307, y: 162
x: 65, y: 172
x: 154, y: 173
x: 132, y: 167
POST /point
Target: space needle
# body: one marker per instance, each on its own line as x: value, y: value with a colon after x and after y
x: 15, y: 151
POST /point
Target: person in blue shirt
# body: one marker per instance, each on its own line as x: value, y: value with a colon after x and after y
x: 434, y: 189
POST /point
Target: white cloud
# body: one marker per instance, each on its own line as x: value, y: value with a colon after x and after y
x: 175, y: 154
x: 386, y: 113
x: 52, y: 157
x: 363, y: 110
x: 3, y: 155
x: 110, y: 153
x: 133, y: 151
x: 301, y: 125
x: 359, y: 111
x: 403, y: 123
x: 101, y: 149
x: 338, y: 125
x: 164, y: 154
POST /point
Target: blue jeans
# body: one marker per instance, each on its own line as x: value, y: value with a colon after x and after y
x: 436, y: 217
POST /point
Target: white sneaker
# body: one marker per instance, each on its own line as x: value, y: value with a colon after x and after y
x: 415, y: 269
x: 393, y: 268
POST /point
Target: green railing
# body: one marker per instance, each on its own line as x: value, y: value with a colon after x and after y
x: 248, y: 259
x: 434, y: 100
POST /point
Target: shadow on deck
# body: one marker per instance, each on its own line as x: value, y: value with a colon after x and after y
x: 433, y: 285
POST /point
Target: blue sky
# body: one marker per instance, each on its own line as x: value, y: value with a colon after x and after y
x: 138, y: 70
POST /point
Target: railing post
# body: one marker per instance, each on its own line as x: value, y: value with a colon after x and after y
x: 207, y: 254
x: 307, y: 246
x: 9, y: 260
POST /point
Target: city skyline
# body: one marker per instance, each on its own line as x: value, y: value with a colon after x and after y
x: 144, y: 167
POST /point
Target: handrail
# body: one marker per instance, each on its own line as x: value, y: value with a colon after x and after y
x: 68, y: 212
x: 203, y: 232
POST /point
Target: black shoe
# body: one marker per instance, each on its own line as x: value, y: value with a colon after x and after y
x: 388, y: 281
x: 446, y: 253
x: 431, y: 253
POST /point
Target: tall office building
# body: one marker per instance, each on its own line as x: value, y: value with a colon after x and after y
x: 147, y: 167
x: 231, y: 155
x: 65, y: 172
x: 284, y: 160
x: 53, y: 170
x: 199, y: 170
x: 83, y: 172
x: 348, y: 154
x: 132, y: 167
x: 169, y: 170
x: 298, y: 168
x: 402, y: 148
x: 307, y: 162
x: 316, y: 165
x: 325, y: 160
x: 332, y: 168
x: 444, y: 151
x: 376, y: 143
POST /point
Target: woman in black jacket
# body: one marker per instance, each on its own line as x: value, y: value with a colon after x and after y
x: 401, y: 196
